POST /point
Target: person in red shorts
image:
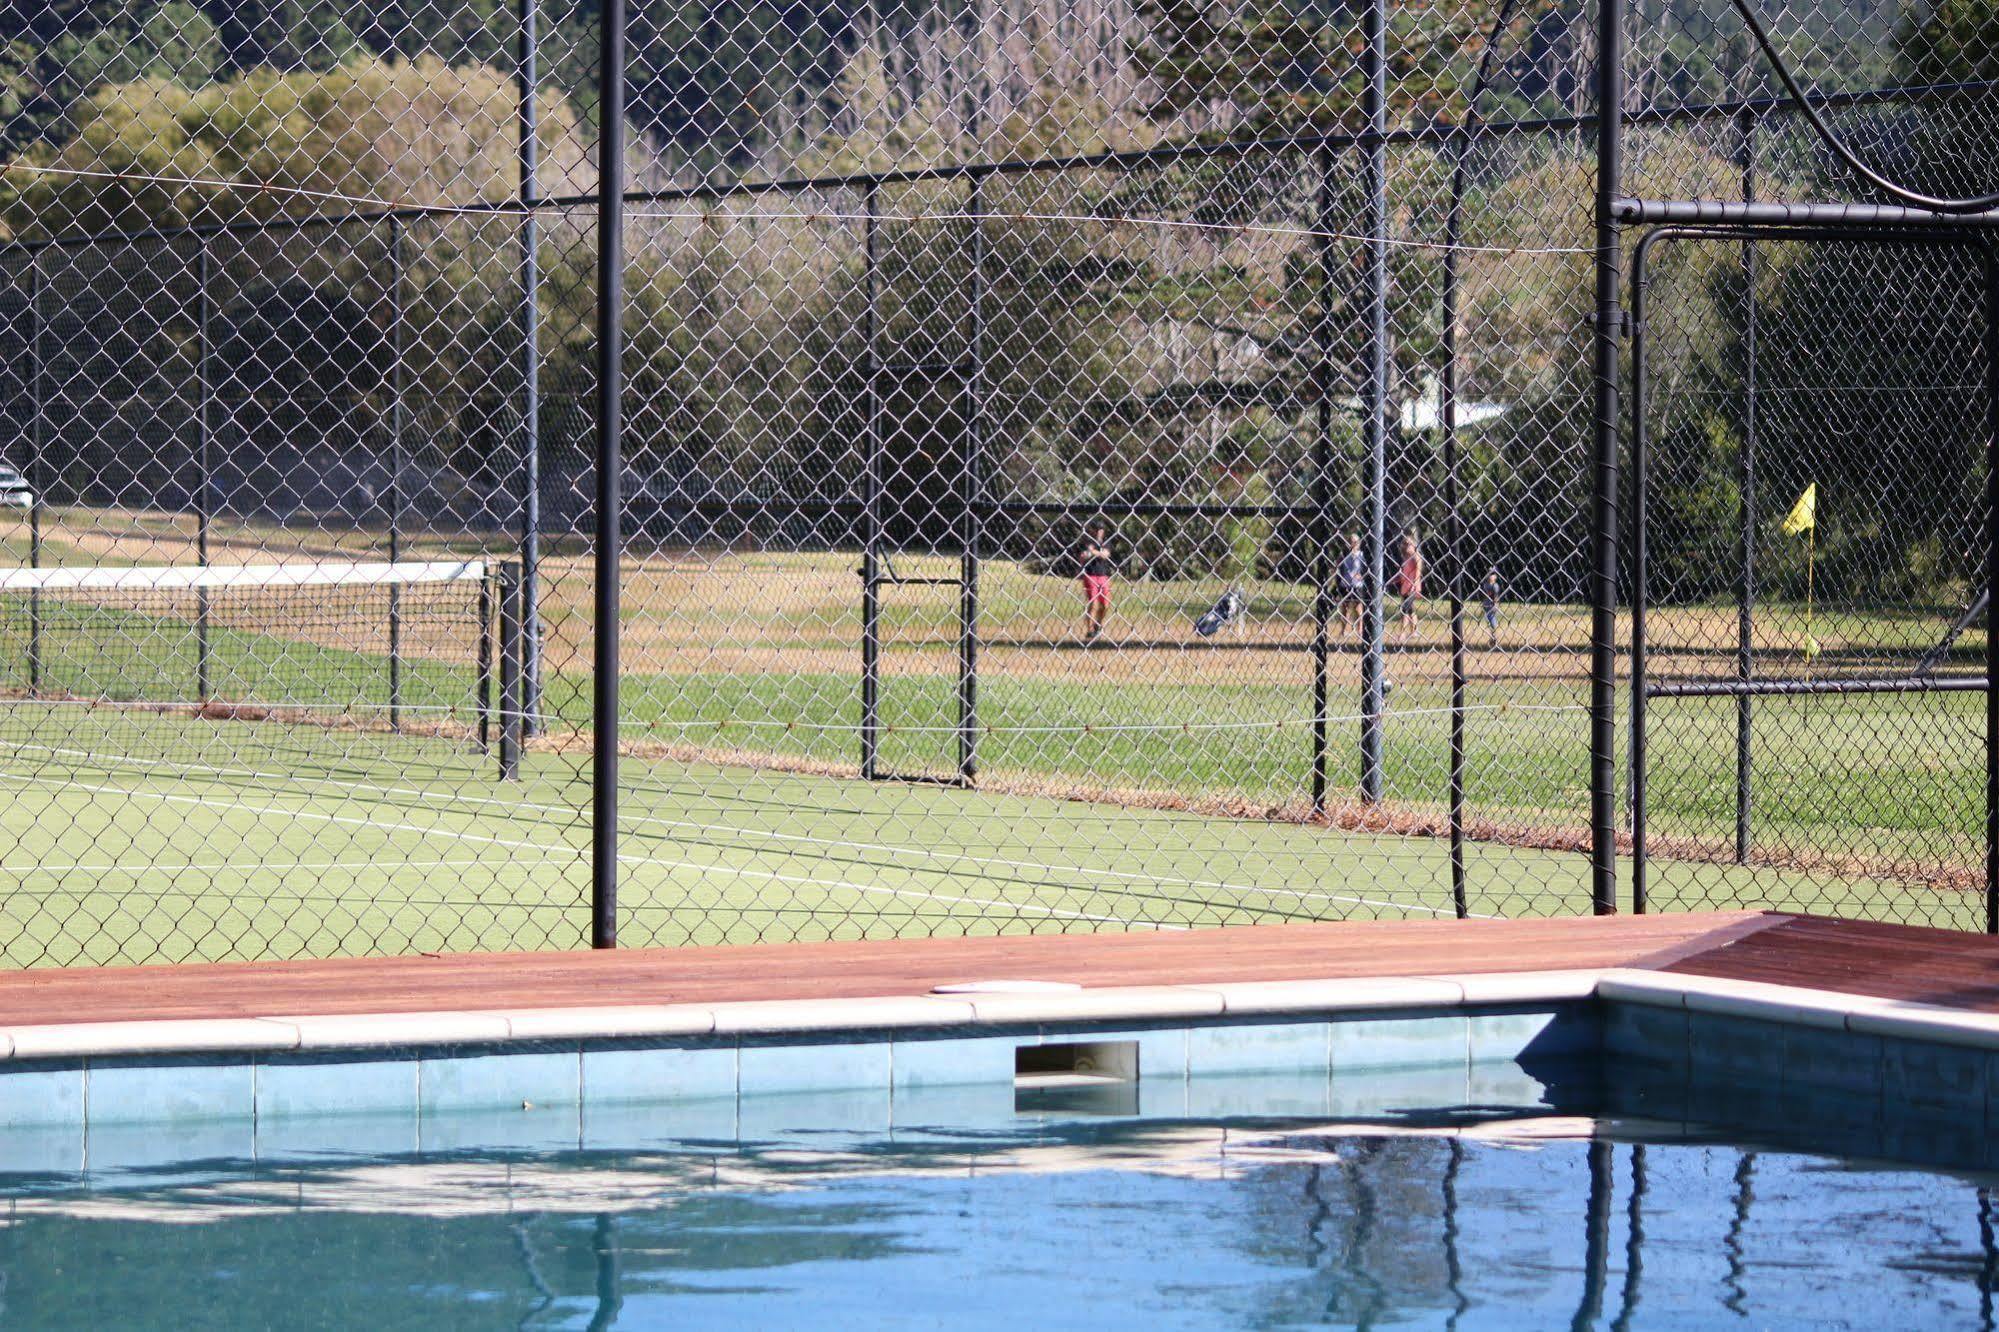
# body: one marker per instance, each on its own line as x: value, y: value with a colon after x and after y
x: 1097, y: 566
x: 1409, y: 582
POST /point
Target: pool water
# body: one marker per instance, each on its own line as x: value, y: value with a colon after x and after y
x: 1529, y: 1218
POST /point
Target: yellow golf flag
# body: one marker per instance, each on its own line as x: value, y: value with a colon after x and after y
x: 1804, y: 514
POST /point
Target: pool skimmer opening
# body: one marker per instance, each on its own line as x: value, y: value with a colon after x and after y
x: 1074, y: 1064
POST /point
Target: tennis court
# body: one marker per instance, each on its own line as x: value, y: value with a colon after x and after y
x: 342, y: 841
x: 320, y: 757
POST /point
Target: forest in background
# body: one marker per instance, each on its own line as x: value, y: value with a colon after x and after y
x: 1161, y: 362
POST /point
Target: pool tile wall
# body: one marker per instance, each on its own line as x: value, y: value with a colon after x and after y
x: 877, y: 1071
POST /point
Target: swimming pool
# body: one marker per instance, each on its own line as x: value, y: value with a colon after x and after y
x: 1545, y: 1210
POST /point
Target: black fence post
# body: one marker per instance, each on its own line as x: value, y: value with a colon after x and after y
x: 1603, y: 484
x: 38, y: 484
x: 610, y: 463
x: 1640, y: 498
x: 204, y: 472
x: 484, y: 664
x: 1374, y: 395
x: 1745, y: 616
x: 512, y: 676
x: 530, y: 480
x: 1454, y: 536
x: 1991, y: 583
x: 871, y: 534
x: 972, y: 490
x: 395, y: 495
x: 1319, y: 533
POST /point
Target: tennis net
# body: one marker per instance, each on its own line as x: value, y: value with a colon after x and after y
x: 423, y: 648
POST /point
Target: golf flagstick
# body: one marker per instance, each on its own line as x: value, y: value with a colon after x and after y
x: 1804, y: 518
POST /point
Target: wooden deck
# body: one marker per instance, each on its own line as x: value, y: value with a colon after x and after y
x: 1889, y: 961
x: 1940, y: 967
x: 904, y: 967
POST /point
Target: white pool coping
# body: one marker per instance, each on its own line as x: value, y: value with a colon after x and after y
x: 278, y: 1033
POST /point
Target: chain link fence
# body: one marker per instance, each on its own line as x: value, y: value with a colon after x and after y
x: 1091, y: 465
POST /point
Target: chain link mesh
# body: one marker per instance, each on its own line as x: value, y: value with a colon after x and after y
x: 1090, y: 465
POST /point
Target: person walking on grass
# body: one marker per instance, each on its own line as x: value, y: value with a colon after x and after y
x: 1097, y: 568
x: 1488, y: 600
x: 1409, y: 583
x: 1353, y: 585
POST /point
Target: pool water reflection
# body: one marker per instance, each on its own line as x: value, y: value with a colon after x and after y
x: 1533, y: 1219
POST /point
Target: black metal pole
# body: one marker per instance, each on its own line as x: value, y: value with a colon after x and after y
x: 512, y: 679
x: 395, y: 496
x: 1375, y: 400
x: 871, y: 443
x: 485, y: 662
x: 1640, y: 497
x: 1991, y: 583
x: 38, y: 485
x: 1454, y: 535
x: 971, y: 489
x: 1603, y: 534
x: 610, y: 462
x: 204, y: 472
x: 1745, y: 645
x: 530, y: 479
x: 1320, y: 522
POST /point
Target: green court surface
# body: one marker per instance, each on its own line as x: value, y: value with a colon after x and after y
x: 129, y: 836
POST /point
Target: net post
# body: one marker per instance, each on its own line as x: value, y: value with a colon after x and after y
x: 1375, y: 404
x: 395, y: 496
x: 510, y: 672
x: 871, y: 498
x: 971, y: 492
x: 1745, y: 646
x: 1319, y: 528
x: 530, y: 194
x: 1454, y: 563
x: 485, y: 662
x: 1603, y: 476
x: 203, y: 473
x: 610, y: 463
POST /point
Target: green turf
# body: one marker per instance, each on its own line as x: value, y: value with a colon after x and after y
x: 134, y: 836
x: 209, y: 840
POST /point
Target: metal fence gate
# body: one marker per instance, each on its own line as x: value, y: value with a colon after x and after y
x: 1804, y: 649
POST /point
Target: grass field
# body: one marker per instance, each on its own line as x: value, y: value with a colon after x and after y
x: 344, y: 842
x: 1146, y: 782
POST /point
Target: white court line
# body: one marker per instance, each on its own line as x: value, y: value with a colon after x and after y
x: 580, y: 852
x: 222, y: 867
x: 892, y: 848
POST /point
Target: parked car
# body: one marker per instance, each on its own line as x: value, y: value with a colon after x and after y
x: 14, y: 492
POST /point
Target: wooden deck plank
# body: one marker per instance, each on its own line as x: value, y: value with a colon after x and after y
x: 854, y: 969
x: 1858, y: 957
x: 1887, y: 961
